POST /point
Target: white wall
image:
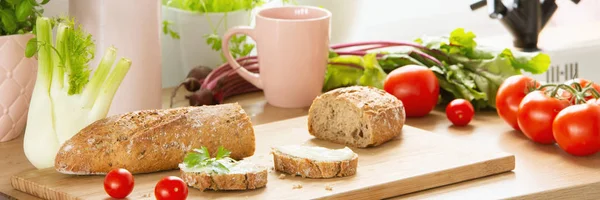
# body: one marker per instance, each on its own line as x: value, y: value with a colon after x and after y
x: 58, y: 7
x: 407, y: 19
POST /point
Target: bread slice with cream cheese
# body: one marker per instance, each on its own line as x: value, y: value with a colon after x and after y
x: 222, y: 172
x: 243, y: 175
x: 315, y: 162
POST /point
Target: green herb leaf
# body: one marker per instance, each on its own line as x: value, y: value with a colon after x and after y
x: 192, y: 159
x: 18, y: 16
x: 78, y: 52
x: 203, y: 151
x: 219, y: 168
x: 13, y: 2
x: 24, y: 10
x: 168, y: 31
x: 209, y: 6
x: 247, y: 49
x: 214, y: 41
x: 222, y: 153
x: 31, y: 48
x: 8, y: 20
x: 200, y: 158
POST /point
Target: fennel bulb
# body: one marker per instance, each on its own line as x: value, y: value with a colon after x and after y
x: 65, y: 100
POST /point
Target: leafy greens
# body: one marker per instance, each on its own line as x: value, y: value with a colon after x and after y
x: 19, y: 16
x: 238, y: 44
x: 353, y: 70
x: 468, y: 71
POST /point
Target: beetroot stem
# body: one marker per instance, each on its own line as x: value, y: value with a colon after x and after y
x: 233, y: 80
x: 347, y: 65
x: 382, y: 43
x: 224, y: 67
x: 210, y: 84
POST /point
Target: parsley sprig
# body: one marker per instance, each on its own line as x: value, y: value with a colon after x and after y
x: 200, y: 158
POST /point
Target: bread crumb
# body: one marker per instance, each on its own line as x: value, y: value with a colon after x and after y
x: 328, y: 187
x: 297, y: 186
x: 281, y: 176
x: 147, y: 195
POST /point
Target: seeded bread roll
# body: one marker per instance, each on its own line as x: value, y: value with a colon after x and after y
x: 155, y: 140
x: 356, y: 116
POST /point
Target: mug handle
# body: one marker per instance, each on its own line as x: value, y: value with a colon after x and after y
x: 251, y: 77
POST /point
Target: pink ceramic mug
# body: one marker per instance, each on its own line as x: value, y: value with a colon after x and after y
x: 292, y: 45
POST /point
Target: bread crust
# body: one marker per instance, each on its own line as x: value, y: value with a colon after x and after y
x: 156, y: 140
x: 307, y: 168
x: 382, y: 112
x: 204, y: 181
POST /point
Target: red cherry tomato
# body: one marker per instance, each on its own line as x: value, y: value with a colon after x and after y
x: 416, y: 86
x: 577, y: 129
x: 118, y: 183
x: 171, y: 188
x: 509, y: 96
x: 460, y: 112
x: 593, y: 102
x: 536, y: 114
x: 583, y: 83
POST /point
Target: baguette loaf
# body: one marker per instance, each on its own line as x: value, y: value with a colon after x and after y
x: 315, y: 162
x: 244, y: 176
x: 155, y: 140
x: 356, y: 116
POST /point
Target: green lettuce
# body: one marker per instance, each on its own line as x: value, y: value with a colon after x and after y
x: 468, y: 71
x: 348, y: 70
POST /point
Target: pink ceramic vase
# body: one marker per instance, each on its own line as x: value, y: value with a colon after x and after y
x: 17, y: 78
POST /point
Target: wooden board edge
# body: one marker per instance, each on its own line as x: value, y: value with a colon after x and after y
x: 22, y: 185
x: 502, y: 164
x: 581, y: 191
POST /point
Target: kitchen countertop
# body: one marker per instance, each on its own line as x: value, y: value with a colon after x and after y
x: 542, y: 171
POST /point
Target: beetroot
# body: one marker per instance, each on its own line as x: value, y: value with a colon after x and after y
x: 193, y: 81
x: 195, y: 77
x: 201, y: 97
x: 211, y: 87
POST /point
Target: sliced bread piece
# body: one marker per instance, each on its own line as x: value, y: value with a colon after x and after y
x: 242, y: 175
x: 356, y: 116
x: 200, y: 171
x: 315, y: 162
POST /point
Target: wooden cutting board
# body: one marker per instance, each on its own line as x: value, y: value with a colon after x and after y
x: 415, y: 161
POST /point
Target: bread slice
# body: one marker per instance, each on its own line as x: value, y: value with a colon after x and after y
x: 242, y: 176
x: 315, y: 162
x: 356, y: 116
x: 155, y: 140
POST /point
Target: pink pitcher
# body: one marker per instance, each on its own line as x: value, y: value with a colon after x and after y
x: 292, y: 45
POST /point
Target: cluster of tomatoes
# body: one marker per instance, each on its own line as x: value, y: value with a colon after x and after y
x: 418, y: 89
x: 567, y: 114
x: 118, y: 184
